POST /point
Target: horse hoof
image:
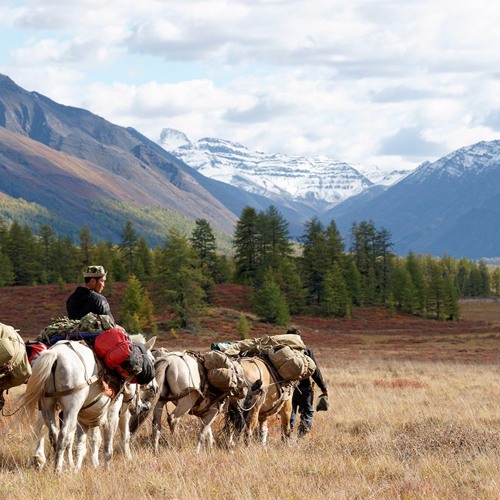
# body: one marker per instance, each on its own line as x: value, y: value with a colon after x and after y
x: 38, y: 462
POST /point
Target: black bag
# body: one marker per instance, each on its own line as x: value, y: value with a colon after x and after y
x: 323, y: 403
x: 140, y: 364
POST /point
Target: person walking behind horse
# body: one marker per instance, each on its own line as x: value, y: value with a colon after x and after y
x: 303, y: 395
x: 88, y: 299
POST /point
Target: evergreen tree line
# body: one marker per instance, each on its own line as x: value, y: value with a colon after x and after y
x: 323, y: 276
x: 319, y: 275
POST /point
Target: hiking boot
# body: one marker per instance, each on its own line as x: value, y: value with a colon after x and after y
x: 303, y: 429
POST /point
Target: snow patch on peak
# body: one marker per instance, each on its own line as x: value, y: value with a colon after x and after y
x: 319, y: 182
x: 171, y: 139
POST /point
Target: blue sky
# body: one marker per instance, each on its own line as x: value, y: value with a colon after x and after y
x: 390, y: 83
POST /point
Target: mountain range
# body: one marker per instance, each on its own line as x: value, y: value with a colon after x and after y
x: 66, y: 167
x: 319, y: 183
x: 449, y: 206
x: 74, y: 167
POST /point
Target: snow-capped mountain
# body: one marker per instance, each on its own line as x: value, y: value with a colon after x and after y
x: 318, y: 182
x: 450, y: 206
x: 470, y: 160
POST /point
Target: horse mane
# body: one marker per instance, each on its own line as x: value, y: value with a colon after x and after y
x: 160, y: 372
x: 138, y: 337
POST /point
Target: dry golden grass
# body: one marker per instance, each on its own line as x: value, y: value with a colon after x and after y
x: 481, y: 310
x: 395, y: 429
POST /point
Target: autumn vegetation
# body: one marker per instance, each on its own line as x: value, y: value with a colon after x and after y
x: 414, y: 414
x: 410, y: 350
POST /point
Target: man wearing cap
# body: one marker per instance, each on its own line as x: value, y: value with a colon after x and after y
x: 88, y: 299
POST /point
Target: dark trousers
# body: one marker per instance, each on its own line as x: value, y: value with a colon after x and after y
x: 302, y: 402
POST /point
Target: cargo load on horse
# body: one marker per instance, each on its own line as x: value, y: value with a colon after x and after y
x: 286, y: 353
x: 291, y: 364
x: 252, y: 347
x: 15, y: 368
x: 111, y: 344
x: 224, y: 373
x: 75, y: 329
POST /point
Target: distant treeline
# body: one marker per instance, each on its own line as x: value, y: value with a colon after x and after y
x: 319, y: 275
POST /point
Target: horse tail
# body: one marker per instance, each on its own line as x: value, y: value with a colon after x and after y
x: 235, y: 419
x: 161, y: 365
x: 37, y: 383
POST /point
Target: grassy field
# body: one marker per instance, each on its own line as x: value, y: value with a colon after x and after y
x: 414, y: 413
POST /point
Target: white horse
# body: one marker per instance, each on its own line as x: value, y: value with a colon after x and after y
x: 117, y: 418
x: 181, y: 380
x: 67, y: 378
x: 127, y: 403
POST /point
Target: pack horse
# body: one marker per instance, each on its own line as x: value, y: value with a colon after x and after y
x: 267, y: 395
x: 67, y: 378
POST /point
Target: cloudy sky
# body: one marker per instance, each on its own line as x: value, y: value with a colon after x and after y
x: 390, y: 83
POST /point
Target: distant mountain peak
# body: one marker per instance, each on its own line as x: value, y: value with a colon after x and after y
x: 474, y: 159
x: 318, y: 182
x: 172, y: 139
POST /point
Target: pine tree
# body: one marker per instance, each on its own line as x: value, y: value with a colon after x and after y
x: 86, y: 247
x: 136, y: 309
x: 65, y: 263
x: 23, y: 255
x: 436, y: 291
x: 203, y: 241
x: 181, y: 278
x: 128, y: 246
x: 451, y: 308
x: 270, y: 305
x: 403, y: 292
x: 245, y: 247
x: 415, y: 268
x: 336, y: 301
x: 243, y: 327
x: 7, y: 276
x: 353, y: 282
x: 46, y: 240
x: 275, y: 239
x: 315, y: 261
x: 144, y: 268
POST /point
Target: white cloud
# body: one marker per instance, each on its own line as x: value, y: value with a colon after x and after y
x: 384, y: 82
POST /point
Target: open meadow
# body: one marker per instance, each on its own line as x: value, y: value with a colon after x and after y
x: 414, y: 413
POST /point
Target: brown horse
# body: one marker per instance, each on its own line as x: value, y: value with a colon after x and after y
x: 267, y: 395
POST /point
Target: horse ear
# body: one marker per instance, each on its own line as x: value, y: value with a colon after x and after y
x: 150, y: 343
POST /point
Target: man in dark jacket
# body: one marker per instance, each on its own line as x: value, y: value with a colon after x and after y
x: 302, y: 399
x: 88, y: 299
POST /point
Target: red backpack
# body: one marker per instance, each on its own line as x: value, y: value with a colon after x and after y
x: 113, y: 347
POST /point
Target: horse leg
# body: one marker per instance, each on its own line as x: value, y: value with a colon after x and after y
x: 39, y: 459
x: 206, y: 434
x: 65, y: 436
x: 95, y: 440
x: 124, y: 427
x: 263, y: 431
x: 252, y: 422
x: 285, y: 416
x: 51, y: 420
x: 81, y: 445
x: 109, y: 429
x: 157, y: 413
x: 182, y: 407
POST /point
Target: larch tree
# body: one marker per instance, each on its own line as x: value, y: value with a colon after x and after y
x: 181, y: 278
